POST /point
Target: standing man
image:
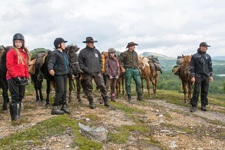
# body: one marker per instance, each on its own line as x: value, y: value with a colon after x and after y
x: 90, y: 61
x: 129, y: 59
x: 201, y: 70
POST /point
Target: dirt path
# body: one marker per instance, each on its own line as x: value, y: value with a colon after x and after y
x: 169, y: 126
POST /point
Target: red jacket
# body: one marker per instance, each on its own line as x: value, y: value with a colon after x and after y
x: 13, y: 68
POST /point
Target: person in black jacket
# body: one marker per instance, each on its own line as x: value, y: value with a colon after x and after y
x: 201, y: 70
x: 90, y: 61
x: 58, y: 66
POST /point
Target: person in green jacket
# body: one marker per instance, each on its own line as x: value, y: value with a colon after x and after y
x: 129, y: 64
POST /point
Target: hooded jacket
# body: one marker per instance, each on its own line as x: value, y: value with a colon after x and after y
x: 14, y: 68
x: 90, y: 61
x: 112, y: 67
x: 201, y: 64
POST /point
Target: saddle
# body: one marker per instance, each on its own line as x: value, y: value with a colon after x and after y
x: 154, y: 64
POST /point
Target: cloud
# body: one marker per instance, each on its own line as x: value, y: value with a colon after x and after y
x: 171, y: 28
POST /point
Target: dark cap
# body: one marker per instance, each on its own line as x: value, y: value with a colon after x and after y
x: 131, y: 44
x: 111, y: 50
x: 204, y: 44
x: 58, y: 41
x: 89, y: 40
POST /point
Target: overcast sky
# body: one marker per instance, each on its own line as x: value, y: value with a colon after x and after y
x: 169, y: 27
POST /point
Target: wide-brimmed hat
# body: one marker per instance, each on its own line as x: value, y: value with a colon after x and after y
x: 111, y: 50
x: 204, y: 44
x: 89, y: 40
x: 131, y: 44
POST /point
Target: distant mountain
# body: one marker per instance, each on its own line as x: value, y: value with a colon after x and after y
x: 219, y: 57
x: 147, y: 54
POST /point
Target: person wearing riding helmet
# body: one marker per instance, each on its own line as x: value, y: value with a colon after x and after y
x: 58, y: 66
x: 112, y: 71
x: 17, y: 74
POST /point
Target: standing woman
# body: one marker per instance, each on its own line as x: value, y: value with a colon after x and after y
x: 112, y: 71
x: 17, y: 74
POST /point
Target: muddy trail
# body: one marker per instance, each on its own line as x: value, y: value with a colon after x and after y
x: 150, y: 125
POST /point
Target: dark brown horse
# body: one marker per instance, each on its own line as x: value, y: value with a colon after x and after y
x: 185, y: 76
x: 146, y: 75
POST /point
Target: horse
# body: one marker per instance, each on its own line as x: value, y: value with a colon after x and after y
x: 73, y: 62
x: 145, y: 73
x: 3, y: 81
x: 185, y: 76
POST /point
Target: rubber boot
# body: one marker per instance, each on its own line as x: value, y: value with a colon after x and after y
x: 129, y: 98
x: 91, y: 103
x: 113, y: 98
x: 56, y: 111
x: 15, y: 111
x: 139, y: 98
x: 63, y: 108
x: 106, y: 101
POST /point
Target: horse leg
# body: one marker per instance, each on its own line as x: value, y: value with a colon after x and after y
x: 48, y: 92
x: 156, y: 80
x: 142, y: 86
x: 123, y: 78
x: 148, y: 87
x: 70, y: 88
x: 189, y: 91
x: 117, y: 94
x: 78, y: 90
x: 185, y: 91
x: 5, y: 95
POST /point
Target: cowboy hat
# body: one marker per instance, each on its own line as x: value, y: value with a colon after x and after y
x: 131, y: 44
x: 89, y: 40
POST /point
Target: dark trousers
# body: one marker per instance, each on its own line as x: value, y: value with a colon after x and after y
x: 87, y: 80
x: 113, y: 84
x: 104, y: 78
x: 17, y: 91
x: 61, y: 89
x: 203, y: 84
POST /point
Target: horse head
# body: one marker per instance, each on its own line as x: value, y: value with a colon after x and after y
x: 186, y: 65
x: 142, y: 63
x: 3, y: 51
x: 71, y: 51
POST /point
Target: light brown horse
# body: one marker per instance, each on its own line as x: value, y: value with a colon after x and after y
x: 185, y: 76
x: 145, y: 71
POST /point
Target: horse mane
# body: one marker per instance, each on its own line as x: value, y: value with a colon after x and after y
x: 144, y: 60
x: 4, y: 51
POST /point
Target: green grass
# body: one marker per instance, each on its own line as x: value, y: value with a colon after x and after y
x: 180, y: 128
x: 54, y: 126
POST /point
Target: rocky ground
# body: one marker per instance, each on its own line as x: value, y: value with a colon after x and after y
x: 151, y: 125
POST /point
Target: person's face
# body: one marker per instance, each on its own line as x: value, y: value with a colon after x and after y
x: 18, y: 43
x: 131, y: 48
x: 63, y: 46
x: 203, y: 49
x: 111, y: 54
x: 91, y: 45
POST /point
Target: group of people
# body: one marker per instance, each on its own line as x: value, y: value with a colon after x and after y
x: 91, y: 63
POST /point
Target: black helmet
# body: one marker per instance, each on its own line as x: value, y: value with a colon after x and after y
x: 18, y: 36
x: 58, y: 41
x: 111, y: 50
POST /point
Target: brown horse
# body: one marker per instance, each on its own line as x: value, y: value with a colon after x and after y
x: 145, y: 71
x: 185, y: 76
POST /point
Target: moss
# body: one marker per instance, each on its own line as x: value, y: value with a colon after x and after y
x: 180, y: 128
x: 118, y: 138
x: 53, y: 126
x: 156, y: 143
x: 92, y: 117
x: 126, y: 108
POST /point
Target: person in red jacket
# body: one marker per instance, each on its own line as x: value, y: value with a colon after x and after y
x: 112, y: 71
x: 17, y: 74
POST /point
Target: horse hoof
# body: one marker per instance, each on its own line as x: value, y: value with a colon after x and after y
x: 47, y: 105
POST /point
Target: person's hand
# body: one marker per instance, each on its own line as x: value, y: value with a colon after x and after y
x: 73, y: 77
x: 193, y: 79
x: 211, y: 79
x: 122, y: 69
x: 18, y: 80
x: 117, y: 77
x: 52, y: 72
x: 110, y: 77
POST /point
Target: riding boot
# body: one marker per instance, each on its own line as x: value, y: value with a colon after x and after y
x: 139, y: 98
x: 106, y: 101
x: 91, y: 103
x: 15, y: 111
x: 129, y: 98
x: 56, y: 111
x: 63, y: 108
x: 113, y: 98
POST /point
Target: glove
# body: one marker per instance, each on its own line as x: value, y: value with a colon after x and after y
x: 18, y: 80
x: 117, y: 77
x: 24, y: 81
x: 110, y: 77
